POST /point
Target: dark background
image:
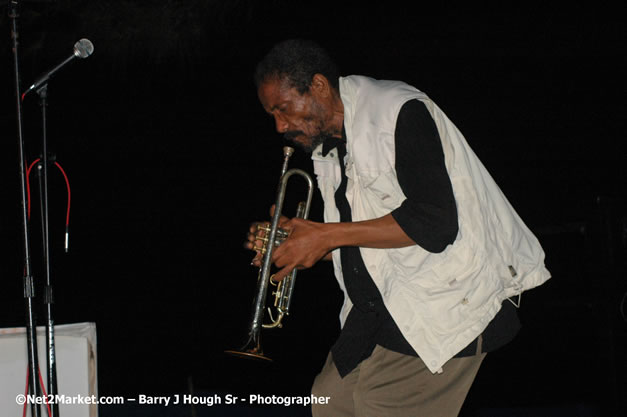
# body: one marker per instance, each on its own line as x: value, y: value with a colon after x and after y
x: 170, y: 157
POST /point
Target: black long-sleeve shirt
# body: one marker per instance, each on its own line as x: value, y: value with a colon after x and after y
x: 429, y: 217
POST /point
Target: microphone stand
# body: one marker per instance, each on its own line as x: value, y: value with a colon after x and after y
x: 42, y: 170
x: 29, y: 289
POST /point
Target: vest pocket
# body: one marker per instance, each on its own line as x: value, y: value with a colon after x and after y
x: 462, y: 261
x: 386, y: 190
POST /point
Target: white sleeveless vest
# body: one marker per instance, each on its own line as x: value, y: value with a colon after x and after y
x: 440, y: 301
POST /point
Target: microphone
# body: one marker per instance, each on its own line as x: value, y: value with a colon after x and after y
x: 82, y: 49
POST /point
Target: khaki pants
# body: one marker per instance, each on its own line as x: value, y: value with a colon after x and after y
x: 390, y: 384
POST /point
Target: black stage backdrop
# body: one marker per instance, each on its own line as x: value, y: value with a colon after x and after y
x: 170, y: 157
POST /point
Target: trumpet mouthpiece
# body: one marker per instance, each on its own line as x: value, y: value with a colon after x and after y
x: 288, y: 151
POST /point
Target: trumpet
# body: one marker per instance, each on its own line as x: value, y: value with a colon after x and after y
x: 274, y: 236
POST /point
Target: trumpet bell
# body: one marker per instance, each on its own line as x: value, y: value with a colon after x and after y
x: 251, y: 350
x: 248, y: 355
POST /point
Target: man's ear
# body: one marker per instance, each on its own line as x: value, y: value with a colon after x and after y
x: 320, y: 86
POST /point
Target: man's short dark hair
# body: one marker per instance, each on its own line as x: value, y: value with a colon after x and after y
x: 297, y: 60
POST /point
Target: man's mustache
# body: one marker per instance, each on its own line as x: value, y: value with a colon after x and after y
x: 293, y: 134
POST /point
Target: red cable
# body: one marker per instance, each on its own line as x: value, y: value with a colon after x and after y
x: 67, y: 183
x: 26, y: 393
x: 28, y: 184
x: 41, y: 381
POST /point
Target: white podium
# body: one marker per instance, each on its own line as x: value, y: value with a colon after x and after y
x: 76, y: 367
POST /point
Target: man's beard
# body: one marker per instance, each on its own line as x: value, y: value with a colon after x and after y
x: 316, y: 140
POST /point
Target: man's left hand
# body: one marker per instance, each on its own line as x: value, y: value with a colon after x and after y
x: 304, y: 247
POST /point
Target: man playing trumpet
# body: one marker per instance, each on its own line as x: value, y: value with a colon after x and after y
x: 429, y: 253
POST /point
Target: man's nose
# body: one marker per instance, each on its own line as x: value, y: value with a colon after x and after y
x: 281, y: 124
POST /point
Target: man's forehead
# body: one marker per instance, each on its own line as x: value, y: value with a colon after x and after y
x: 272, y: 91
x: 279, y: 84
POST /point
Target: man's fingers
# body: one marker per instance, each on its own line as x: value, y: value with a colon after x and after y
x: 284, y: 272
x: 281, y: 274
x: 256, y: 260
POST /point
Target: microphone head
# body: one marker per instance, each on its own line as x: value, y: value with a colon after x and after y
x: 83, y: 48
